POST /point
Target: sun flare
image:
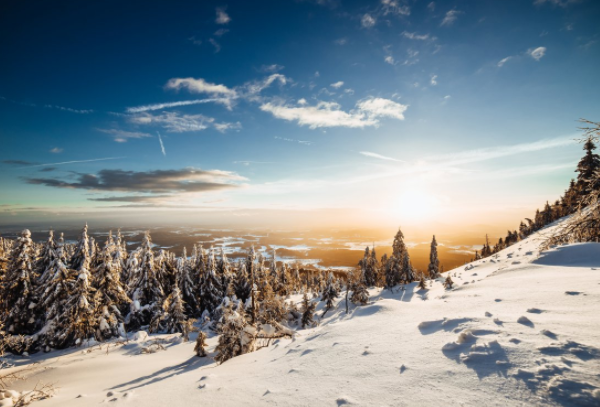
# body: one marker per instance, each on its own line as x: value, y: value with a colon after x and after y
x: 415, y: 204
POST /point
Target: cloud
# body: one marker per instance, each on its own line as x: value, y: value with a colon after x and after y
x: 431, y: 6
x: 56, y: 150
x: 337, y: 84
x: 121, y: 136
x: 222, y: 17
x: 69, y: 162
x: 149, y: 182
x: 22, y: 163
x: 393, y: 7
x: 433, y: 80
x: 162, y: 146
x: 537, y: 53
x: 248, y: 163
x: 379, y: 107
x: 223, y: 127
x: 291, y: 140
x: 167, y: 105
x: 68, y: 109
x: 450, y: 17
x: 560, y: 3
x: 215, y: 44
x: 271, y: 68
x: 221, y: 32
x: 133, y: 198
x: 415, y: 36
x: 341, y: 41
x: 250, y: 90
x: 199, y: 85
x: 48, y: 169
x: 503, y: 61
x: 390, y: 60
x: 173, y: 121
x: 379, y: 156
x: 367, y: 21
x: 329, y: 114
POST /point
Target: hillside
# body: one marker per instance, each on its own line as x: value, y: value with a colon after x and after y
x: 518, y: 328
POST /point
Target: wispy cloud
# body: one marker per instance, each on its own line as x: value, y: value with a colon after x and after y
x: 248, y: 163
x: 291, y: 140
x: 341, y: 41
x: 337, y: 84
x: 390, y: 60
x: 121, y: 136
x: 222, y: 17
x: 560, y: 3
x: 271, y: 68
x: 162, y: 146
x: 415, y: 36
x: 223, y: 127
x: 174, y: 122
x: 56, y: 150
x: 368, y: 21
x: 68, y: 109
x: 537, y: 53
x: 21, y: 163
x: 503, y: 61
x: 329, y: 114
x: 450, y: 17
x: 394, y: 7
x: 199, y: 85
x: 379, y: 156
x: 167, y: 105
x: 215, y: 44
x: 75, y: 162
x: 433, y: 80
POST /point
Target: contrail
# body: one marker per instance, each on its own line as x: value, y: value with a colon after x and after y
x: 162, y: 146
x: 74, y: 162
x: 160, y: 106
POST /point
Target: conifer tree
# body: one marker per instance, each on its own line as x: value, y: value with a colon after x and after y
x: 360, y: 294
x: 238, y: 336
x: 186, y: 285
x: 308, y: 312
x: 434, y: 262
x: 17, y: 289
x: 173, y: 318
x: 422, y: 285
x: 241, y: 285
x: 77, y: 321
x: 111, y: 295
x: 211, y: 291
x: 45, y: 259
x: 590, y: 163
x: 145, y: 289
x: 448, y: 283
x: 330, y: 293
x: 82, y: 251
x: 407, y: 275
x: 201, y: 345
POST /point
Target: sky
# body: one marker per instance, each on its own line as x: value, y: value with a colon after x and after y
x: 302, y: 114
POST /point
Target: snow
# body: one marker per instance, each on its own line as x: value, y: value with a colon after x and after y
x: 520, y: 328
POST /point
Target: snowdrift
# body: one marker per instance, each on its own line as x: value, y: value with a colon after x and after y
x: 519, y: 328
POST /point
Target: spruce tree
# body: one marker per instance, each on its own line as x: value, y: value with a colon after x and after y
x: 241, y: 285
x: 308, y: 312
x: 590, y: 163
x: 238, y: 336
x: 173, y: 318
x: 46, y: 259
x: 201, y: 345
x: 17, y: 290
x: 145, y: 288
x: 186, y: 285
x: 211, y: 291
x: 434, y: 262
x: 111, y: 296
x: 360, y: 294
x: 448, y: 283
x: 330, y: 293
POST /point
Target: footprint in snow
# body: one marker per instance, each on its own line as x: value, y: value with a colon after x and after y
x: 498, y: 300
x: 535, y: 311
x: 549, y: 334
x: 402, y: 369
x: 515, y: 341
x: 573, y: 292
x: 487, y: 314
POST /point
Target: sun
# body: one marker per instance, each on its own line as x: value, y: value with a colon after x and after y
x: 415, y: 204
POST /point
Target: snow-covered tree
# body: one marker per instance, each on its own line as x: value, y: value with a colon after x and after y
x: 368, y: 266
x: 145, y: 289
x: 201, y: 345
x: 81, y: 255
x: 17, y: 289
x: 45, y: 259
x: 407, y: 274
x: 241, y: 285
x: 330, y: 293
x: 434, y: 262
x: 448, y: 283
x: 211, y: 291
x: 187, y: 285
x: 360, y: 294
x: 173, y: 318
x: 308, y: 312
x: 238, y: 336
x: 111, y: 298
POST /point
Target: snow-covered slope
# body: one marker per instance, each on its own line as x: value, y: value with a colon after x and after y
x: 520, y: 328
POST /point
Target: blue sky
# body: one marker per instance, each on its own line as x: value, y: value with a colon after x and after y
x: 293, y: 112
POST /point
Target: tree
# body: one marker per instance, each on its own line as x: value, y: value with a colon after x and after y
x: 173, y: 318
x: 434, y: 262
x: 145, y: 288
x: 186, y: 284
x: 330, y: 293
x: 201, y: 345
x: 448, y: 283
x: 590, y: 163
x: 422, y: 285
x: 77, y: 320
x: 111, y: 296
x: 308, y: 312
x: 241, y: 285
x: 238, y: 336
x: 368, y: 266
x: 360, y: 294
x: 17, y: 290
x: 211, y: 291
